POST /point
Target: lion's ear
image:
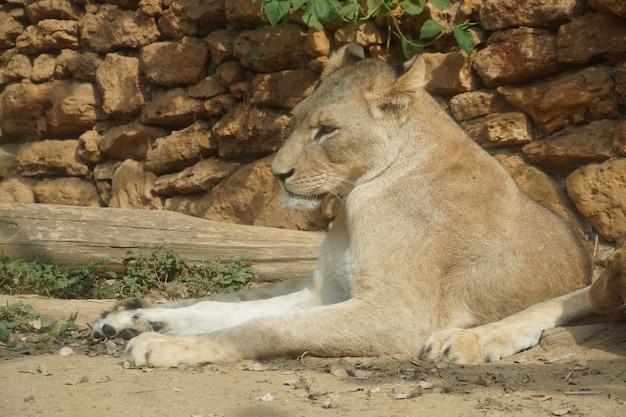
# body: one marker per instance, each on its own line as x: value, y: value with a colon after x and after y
x: 343, y: 56
x: 396, y: 101
x: 413, y: 76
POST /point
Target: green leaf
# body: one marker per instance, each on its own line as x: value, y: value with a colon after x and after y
x: 441, y: 4
x: 319, y: 8
x: 333, y: 12
x: 312, y: 21
x: 350, y: 10
x: 275, y: 10
x: 297, y: 4
x: 430, y: 29
x: 464, y: 38
x: 4, y: 332
x: 412, y: 7
x: 373, y: 6
x: 410, y: 50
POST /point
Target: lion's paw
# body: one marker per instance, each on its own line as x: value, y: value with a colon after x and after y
x: 132, y: 303
x: 154, y: 350
x: 125, y: 324
x: 456, y: 345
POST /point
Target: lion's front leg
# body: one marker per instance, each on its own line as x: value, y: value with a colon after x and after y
x: 504, y: 338
x: 199, y: 318
x: 350, y: 328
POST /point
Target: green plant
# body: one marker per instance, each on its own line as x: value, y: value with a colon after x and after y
x: 20, y: 317
x: 316, y: 13
x: 165, y: 266
x: 45, y: 277
x: 216, y: 276
x: 142, y: 273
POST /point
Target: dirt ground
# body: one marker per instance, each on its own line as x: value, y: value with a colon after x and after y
x: 576, y: 371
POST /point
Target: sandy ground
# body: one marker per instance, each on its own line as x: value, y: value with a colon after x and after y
x: 576, y: 371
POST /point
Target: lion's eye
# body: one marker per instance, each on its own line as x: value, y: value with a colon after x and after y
x: 324, y: 130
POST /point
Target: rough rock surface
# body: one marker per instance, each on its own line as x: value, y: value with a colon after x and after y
x: 515, y: 55
x: 449, y: 73
x: 181, y: 148
x: 52, y: 9
x: 89, y: 147
x: 574, y: 147
x: 570, y: 98
x: 17, y: 190
x: 500, y: 129
x: 69, y: 191
x: 43, y: 68
x: 192, y: 17
x: 593, y: 36
x: 8, y: 160
x: 157, y: 58
x: 201, y: 176
x: 50, y: 157
x: 473, y: 104
x: 133, y: 140
x: 23, y: 108
x: 112, y: 27
x: 172, y: 107
x: 118, y: 80
x: 619, y: 139
x: 599, y: 192
x: 503, y: 14
x: 282, y: 89
x: 48, y: 35
x: 10, y: 29
x: 220, y: 43
x: 235, y: 131
x: 132, y: 187
x: 267, y: 50
x: 617, y: 7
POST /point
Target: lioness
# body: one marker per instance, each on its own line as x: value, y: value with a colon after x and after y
x: 433, y: 237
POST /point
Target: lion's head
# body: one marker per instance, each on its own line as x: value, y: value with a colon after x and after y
x: 345, y: 132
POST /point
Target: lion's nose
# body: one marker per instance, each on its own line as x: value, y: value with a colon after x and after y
x: 283, y: 176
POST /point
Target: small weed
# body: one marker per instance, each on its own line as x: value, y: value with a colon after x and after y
x: 142, y: 273
x: 20, y: 317
x: 145, y: 272
x: 45, y: 277
x: 316, y: 13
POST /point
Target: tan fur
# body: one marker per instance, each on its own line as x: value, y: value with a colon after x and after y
x: 608, y: 294
x: 433, y: 239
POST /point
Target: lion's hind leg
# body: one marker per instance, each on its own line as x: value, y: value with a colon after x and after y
x: 608, y: 293
x: 503, y: 338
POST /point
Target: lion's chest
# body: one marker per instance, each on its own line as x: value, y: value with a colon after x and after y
x: 332, y: 275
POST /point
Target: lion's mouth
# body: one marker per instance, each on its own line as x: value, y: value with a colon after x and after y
x: 303, y: 202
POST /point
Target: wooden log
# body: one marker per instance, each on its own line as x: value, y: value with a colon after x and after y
x: 78, y: 235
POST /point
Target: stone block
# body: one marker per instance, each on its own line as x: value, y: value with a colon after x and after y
x: 516, y: 55
x: 570, y: 98
x: 283, y: 89
x: 576, y: 146
x: 599, y: 192
x: 592, y: 37
x: 267, y: 49
x: 504, y: 14
x: 50, y: 158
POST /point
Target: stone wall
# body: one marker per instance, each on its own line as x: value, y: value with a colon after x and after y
x: 180, y: 104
